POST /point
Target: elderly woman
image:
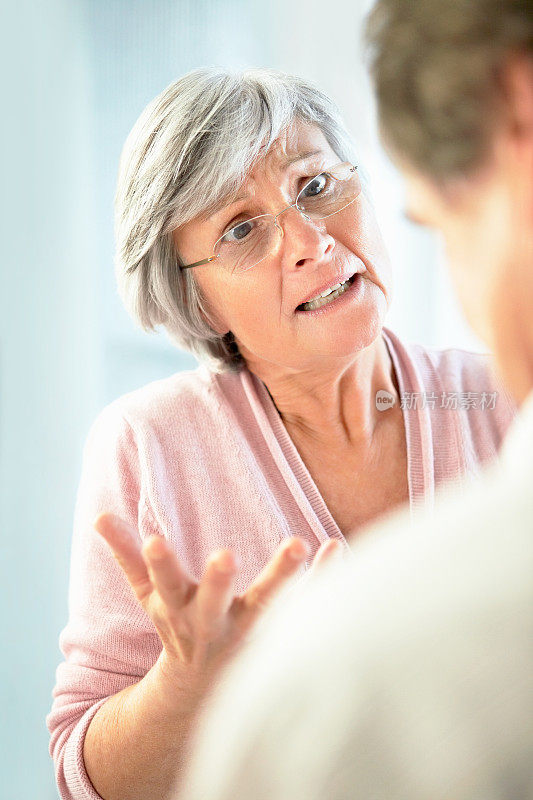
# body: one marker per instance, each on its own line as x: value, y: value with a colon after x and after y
x: 243, y: 228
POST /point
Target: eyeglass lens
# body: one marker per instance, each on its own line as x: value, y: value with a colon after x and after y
x: 252, y: 240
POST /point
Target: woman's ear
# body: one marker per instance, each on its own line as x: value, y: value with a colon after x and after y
x: 209, y: 315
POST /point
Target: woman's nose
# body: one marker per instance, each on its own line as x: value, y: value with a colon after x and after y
x: 304, y: 240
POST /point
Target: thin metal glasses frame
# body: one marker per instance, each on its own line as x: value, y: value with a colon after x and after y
x: 215, y: 256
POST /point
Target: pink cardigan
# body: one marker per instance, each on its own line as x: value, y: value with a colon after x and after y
x: 205, y: 460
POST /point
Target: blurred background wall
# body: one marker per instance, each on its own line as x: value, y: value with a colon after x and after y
x: 75, y: 77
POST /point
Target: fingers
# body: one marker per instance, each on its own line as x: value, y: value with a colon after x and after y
x: 284, y: 564
x: 328, y: 552
x: 125, y: 544
x: 215, y: 592
x: 168, y: 577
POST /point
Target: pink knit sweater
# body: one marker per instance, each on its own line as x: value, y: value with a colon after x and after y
x: 206, y: 461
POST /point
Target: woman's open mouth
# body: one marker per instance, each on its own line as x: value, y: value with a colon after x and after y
x: 329, y: 295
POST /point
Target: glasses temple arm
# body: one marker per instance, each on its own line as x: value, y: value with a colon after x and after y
x: 198, y: 263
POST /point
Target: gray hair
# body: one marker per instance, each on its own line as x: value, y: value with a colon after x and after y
x: 189, y: 151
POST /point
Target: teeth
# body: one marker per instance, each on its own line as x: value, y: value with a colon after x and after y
x: 332, y: 293
x: 326, y: 292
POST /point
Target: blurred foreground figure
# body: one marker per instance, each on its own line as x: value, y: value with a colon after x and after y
x: 408, y: 674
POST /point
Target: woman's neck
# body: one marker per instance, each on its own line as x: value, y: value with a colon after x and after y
x: 336, y: 405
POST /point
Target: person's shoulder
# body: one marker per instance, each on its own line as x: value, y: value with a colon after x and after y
x: 175, y: 400
x: 458, y: 371
x: 454, y: 360
x: 465, y: 369
x: 177, y: 413
x: 470, y: 369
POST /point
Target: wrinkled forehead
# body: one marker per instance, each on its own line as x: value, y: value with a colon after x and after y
x: 300, y: 141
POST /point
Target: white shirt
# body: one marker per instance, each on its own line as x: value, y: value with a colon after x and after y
x: 406, y: 672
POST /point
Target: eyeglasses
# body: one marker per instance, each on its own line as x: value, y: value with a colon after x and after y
x: 252, y: 240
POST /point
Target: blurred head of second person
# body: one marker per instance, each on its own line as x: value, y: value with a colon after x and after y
x: 455, y: 98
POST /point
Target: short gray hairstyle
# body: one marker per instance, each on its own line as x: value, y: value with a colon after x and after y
x: 190, y: 151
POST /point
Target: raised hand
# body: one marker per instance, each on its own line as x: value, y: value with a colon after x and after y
x: 200, y: 624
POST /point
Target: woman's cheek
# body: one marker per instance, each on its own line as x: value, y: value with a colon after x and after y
x: 363, y: 237
x: 374, y: 254
x: 250, y: 316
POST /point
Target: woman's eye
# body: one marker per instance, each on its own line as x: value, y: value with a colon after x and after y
x: 315, y: 186
x: 238, y: 232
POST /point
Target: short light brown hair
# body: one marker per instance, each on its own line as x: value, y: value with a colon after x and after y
x: 437, y: 68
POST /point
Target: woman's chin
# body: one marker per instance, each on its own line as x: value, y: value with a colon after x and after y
x: 340, y: 349
x: 310, y: 349
x: 352, y: 336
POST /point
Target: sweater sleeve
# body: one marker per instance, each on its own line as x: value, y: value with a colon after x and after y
x: 109, y: 642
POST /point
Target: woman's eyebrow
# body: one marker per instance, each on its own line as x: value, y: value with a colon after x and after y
x: 286, y: 162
